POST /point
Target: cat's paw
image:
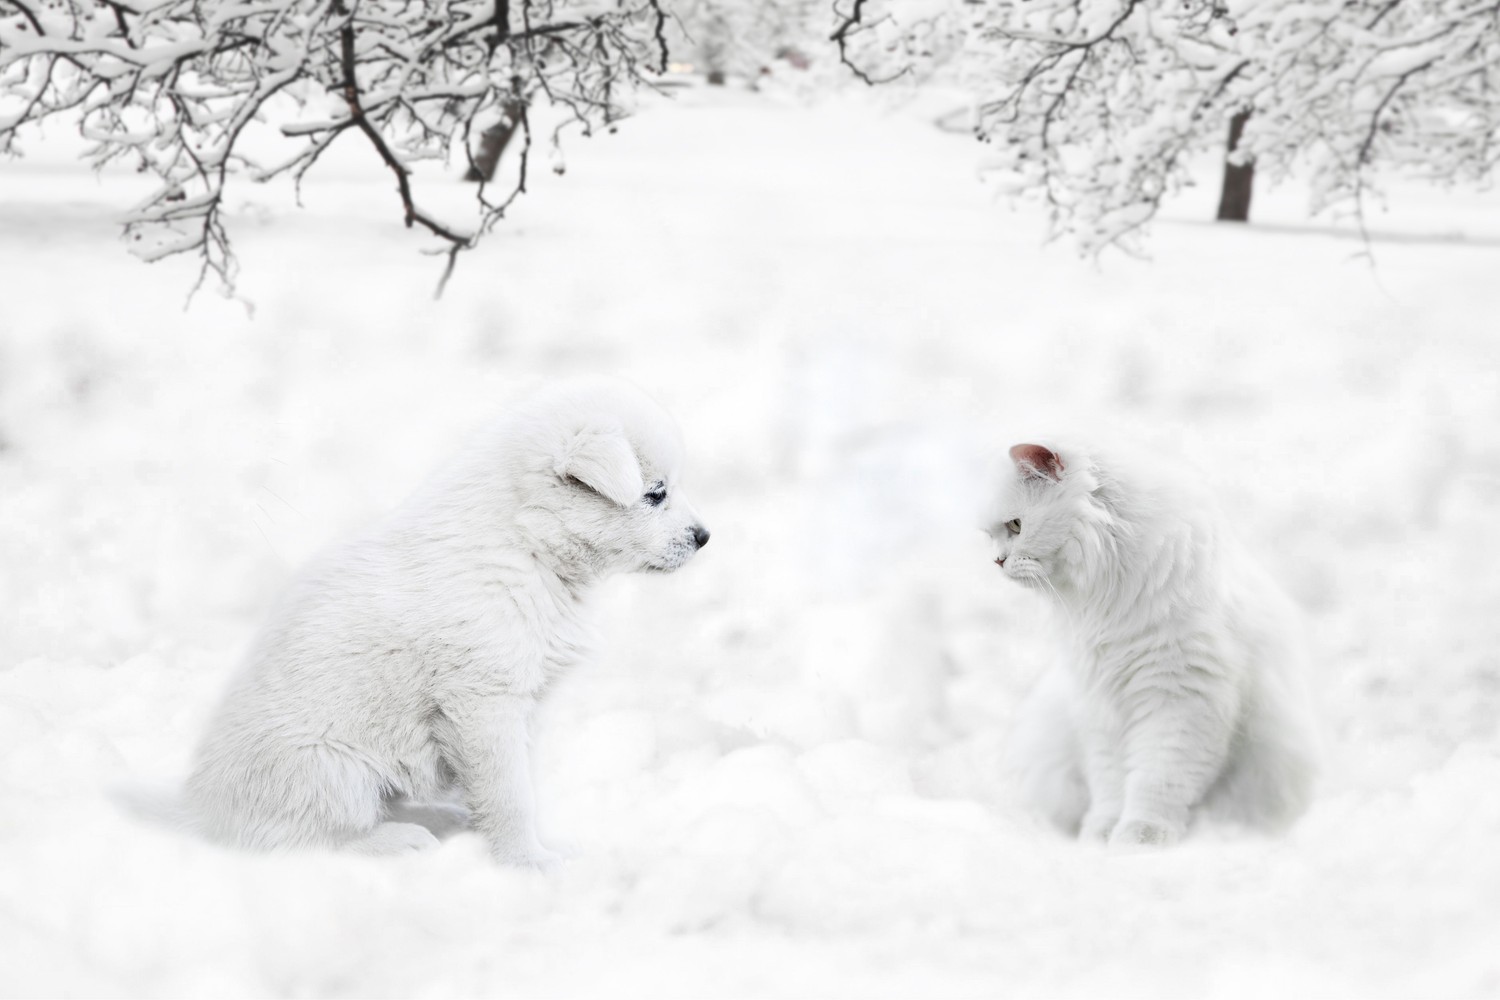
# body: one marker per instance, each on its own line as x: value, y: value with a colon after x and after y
x: 1144, y: 833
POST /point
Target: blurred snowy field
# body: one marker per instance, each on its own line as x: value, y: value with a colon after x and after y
x: 783, y: 777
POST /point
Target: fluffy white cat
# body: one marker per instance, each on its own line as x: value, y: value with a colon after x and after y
x: 1182, y: 688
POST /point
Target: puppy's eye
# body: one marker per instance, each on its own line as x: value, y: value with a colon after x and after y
x: 1013, y: 526
x: 657, y: 496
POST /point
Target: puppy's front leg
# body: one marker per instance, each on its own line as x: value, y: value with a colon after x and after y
x: 494, y: 768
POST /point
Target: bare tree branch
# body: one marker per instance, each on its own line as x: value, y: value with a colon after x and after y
x: 175, y: 86
x: 849, y: 25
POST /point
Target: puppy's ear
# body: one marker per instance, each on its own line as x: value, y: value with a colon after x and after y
x: 600, y: 457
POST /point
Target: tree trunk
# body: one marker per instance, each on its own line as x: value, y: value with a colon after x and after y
x: 492, y: 143
x: 1234, y: 197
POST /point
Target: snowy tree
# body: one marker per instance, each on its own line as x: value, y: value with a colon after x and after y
x: 178, y: 87
x: 1414, y: 87
x: 748, y: 38
x: 1099, y: 106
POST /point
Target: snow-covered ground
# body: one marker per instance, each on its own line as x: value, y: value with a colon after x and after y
x: 783, y: 777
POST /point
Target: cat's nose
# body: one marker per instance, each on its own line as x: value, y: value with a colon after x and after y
x: 1000, y: 562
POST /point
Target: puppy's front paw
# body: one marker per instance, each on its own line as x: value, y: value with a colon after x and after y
x: 1144, y: 833
x: 565, y: 848
x: 533, y: 856
x: 1097, y: 824
x: 443, y: 819
x: 393, y: 838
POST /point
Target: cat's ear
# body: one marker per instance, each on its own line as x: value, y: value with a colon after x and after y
x: 1037, y: 462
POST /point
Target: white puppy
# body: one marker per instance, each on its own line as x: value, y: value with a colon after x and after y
x: 407, y: 664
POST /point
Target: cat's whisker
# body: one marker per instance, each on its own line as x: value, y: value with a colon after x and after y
x: 1051, y: 586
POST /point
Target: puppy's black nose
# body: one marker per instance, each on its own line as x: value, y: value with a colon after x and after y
x: 700, y: 535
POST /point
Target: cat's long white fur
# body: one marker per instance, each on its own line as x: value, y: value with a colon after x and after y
x: 1182, y: 685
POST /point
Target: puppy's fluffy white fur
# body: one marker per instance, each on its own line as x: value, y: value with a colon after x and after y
x: 405, y: 666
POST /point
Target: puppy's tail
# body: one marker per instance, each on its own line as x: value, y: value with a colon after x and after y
x: 159, y: 806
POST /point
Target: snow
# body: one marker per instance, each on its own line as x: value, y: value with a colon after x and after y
x: 783, y: 776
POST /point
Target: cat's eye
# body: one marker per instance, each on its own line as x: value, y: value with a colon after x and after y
x: 1013, y: 526
x: 657, y: 495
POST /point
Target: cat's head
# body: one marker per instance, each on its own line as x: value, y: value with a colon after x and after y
x: 1052, y: 518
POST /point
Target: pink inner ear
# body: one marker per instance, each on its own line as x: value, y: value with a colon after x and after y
x: 1035, y: 460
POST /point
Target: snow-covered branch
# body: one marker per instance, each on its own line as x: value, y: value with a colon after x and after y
x: 174, y: 86
x: 1096, y: 106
